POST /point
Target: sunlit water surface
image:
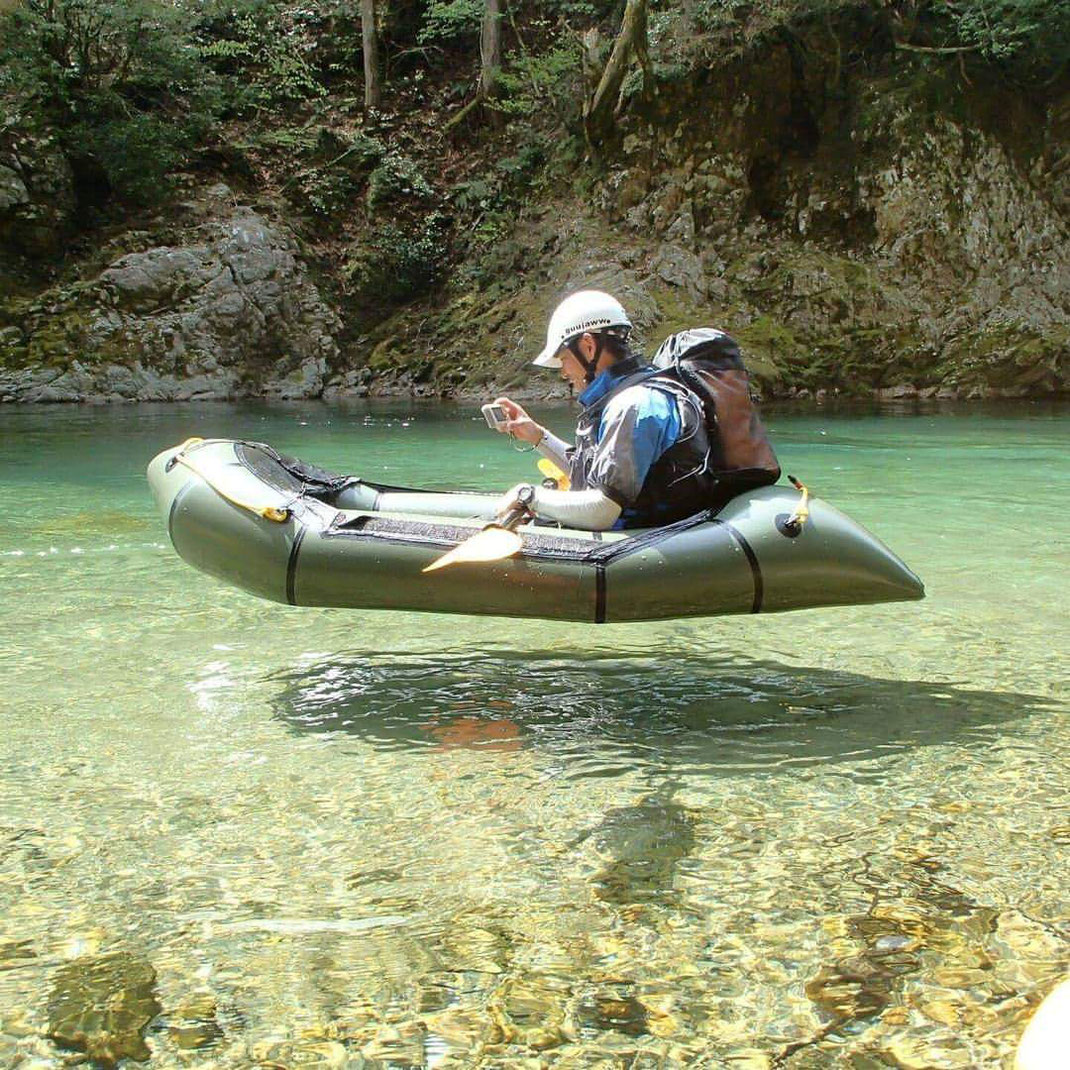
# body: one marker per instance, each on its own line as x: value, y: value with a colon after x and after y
x: 318, y: 837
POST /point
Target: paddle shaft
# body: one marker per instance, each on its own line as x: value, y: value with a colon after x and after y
x: 513, y: 518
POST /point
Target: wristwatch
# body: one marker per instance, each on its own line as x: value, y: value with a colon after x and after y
x: 525, y: 496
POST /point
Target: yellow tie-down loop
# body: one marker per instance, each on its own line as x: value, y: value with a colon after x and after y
x: 802, y: 511
x: 268, y: 512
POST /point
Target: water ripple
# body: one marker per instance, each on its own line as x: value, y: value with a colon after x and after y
x: 607, y: 714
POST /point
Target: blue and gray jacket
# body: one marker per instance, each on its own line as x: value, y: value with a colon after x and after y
x: 642, y: 441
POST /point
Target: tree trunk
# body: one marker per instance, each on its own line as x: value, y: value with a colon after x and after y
x: 599, y: 117
x: 370, y: 43
x: 490, y: 49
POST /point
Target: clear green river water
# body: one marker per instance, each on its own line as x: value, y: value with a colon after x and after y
x: 239, y: 834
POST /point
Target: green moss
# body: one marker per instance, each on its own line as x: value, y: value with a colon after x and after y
x: 1009, y: 357
x: 58, y: 340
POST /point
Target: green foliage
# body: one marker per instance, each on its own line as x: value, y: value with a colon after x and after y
x: 121, y: 83
x: 502, y: 189
x: 520, y: 168
x: 532, y: 83
x: 450, y: 20
x: 1034, y: 31
x: 749, y: 22
x: 264, y: 50
x: 477, y: 195
x: 331, y: 185
x: 400, y: 262
x: 136, y: 153
x: 583, y: 11
x: 396, y: 178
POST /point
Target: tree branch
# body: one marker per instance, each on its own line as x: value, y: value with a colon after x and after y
x: 904, y: 47
x: 475, y: 102
x: 632, y: 38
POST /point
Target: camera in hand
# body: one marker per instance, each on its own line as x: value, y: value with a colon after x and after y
x: 494, y: 415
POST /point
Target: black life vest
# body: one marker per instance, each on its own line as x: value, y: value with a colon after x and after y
x: 721, y: 451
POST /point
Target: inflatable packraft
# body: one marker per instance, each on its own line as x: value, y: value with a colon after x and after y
x: 291, y: 533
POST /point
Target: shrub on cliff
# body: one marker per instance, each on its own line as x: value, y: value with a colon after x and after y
x: 133, y: 88
x: 397, y: 262
x: 1030, y: 37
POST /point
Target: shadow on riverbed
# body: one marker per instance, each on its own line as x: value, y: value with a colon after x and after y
x: 602, y: 715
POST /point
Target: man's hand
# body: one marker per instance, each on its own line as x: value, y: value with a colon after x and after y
x: 518, y: 423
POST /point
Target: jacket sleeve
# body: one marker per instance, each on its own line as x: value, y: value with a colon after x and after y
x: 554, y: 449
x: 587, y: 510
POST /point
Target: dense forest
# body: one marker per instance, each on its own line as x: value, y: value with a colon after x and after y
x: 220, y: 198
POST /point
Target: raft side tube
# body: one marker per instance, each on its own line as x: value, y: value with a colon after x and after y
x: 831, y: 561
x: 382, y: 564
x: 213, y: 534
x: 700, y: 570
x: 365, y: 497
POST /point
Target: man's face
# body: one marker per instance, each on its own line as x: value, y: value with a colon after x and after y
x: 571, y: 369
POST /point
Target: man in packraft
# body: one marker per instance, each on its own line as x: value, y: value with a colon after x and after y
x: 653, y: 444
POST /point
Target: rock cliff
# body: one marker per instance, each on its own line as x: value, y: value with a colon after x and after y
x: 901, y: 233
x: 229, y: 312
x: 855, y: 242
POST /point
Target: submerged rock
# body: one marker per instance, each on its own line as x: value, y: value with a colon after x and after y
x: 195, y: 1025
x: 616, y: 1013
x: 102, y: 1006
x: 642, y: 845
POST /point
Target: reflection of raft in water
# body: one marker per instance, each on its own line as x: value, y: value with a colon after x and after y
x: 237, y: 511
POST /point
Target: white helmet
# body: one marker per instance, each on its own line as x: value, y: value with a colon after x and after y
x: 585, y: 310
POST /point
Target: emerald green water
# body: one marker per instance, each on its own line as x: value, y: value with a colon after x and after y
x: 836, y: 837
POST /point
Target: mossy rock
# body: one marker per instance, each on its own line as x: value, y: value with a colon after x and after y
x: 102, y: 1006
x: 1009, y: 358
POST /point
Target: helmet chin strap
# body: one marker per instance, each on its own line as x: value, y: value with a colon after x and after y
x: 590, y: 367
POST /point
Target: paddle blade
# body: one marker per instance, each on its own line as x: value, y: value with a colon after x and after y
x: 490, y: 544
x: 551, y: 471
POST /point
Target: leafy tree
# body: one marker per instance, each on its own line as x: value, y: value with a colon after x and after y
x: 543, y: 83
x: 1031, y: 35
x: 122, y: 83
x: 1030, y: 32
x: 263, y: 50
x: 451, y: 20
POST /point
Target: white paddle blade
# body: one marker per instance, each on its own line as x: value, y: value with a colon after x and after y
x: 491, y: 544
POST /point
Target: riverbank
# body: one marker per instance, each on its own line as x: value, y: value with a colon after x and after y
x: 867, y: 221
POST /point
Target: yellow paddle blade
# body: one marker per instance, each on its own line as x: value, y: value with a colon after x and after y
x: 490, y: 544
x: 551, y: 471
